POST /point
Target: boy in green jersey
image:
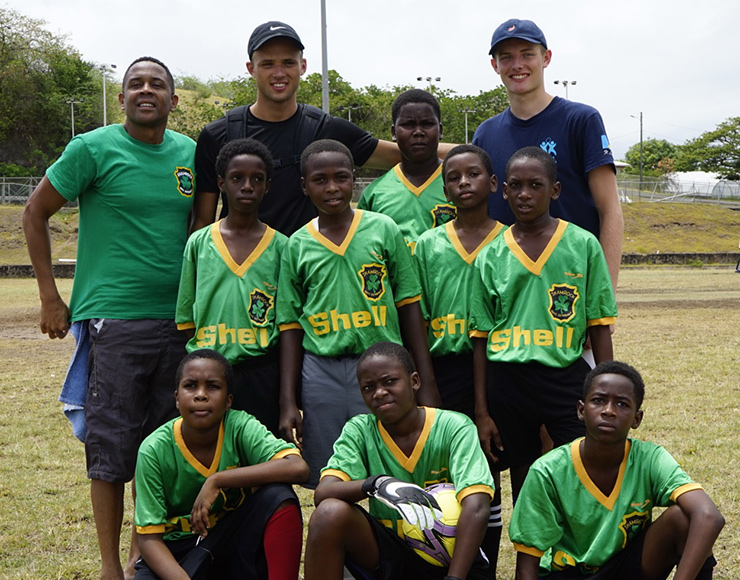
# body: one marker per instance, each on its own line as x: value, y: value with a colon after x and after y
x: 412, y: 192
x: 539, y: 289
x: 229, y: 282
x: 389, y: 456
x: 585, y: 509
x: 346, y: 281
x: 212, y: 493
x: 445, y: 258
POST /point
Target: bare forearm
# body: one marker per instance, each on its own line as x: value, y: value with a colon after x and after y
x: 611, y: 237
x: 204, y: 210
x: 601, y: 343
x: 479, y: 376
x: 414, y: 335
x: 527, y: 566
x: 333, y: 487
x: 159, y: 558
x: 471, y: 528
x: 289, y: 469
x: 291, y: 358
x: 36, y: 229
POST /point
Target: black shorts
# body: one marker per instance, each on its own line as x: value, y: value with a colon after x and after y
x: 257, y: 389
x: 454, y: 374
x: 626, y: 564
x: 233, y: 549
x: 398, y: 561
x: 522, y: 397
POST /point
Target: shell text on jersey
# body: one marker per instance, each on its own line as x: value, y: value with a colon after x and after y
x: 333, y: 321
x: 516, y: 337
x: 448, y: 325
x: 220, y: 334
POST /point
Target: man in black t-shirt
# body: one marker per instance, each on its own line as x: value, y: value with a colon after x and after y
x: 286, y: 127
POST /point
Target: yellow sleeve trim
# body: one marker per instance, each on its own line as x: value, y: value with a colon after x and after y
x: 336, y: 473
x: 602, y: 321
x: 158, y: 529
x: 186, y: 325
x: 290, y: 326
x: 679, y: 491
x: 406, y: 301
x: 478, y: 334
x: 478, y: 488
x: 528, y: 550
x: 285, y: 452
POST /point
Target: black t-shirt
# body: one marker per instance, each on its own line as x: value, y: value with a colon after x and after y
x: 284, y: 207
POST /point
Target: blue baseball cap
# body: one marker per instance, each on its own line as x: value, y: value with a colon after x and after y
x: 270, y: 30
x: 515, y: 28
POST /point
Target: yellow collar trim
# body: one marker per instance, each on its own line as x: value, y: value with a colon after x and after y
x: 607, y: 502
x: 417, y: 191
x: 313, y: 228
x: 457, y: 244
x: 223, y: 250
x: 197, y: 465
x: 409, y: 463
x: 526, y: 261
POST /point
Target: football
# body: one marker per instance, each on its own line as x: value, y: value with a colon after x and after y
x: 437, y: 544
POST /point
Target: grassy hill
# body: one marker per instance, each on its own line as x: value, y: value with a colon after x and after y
x: 649, y: 228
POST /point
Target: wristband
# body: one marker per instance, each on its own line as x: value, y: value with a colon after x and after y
x: 369, y: 485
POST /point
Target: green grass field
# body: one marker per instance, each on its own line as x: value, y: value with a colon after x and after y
x: 678, y: 326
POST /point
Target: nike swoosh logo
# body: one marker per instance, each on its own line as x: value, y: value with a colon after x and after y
x: 276, y: 27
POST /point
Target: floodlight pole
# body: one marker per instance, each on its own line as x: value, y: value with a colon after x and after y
x: 324, y: 62
x: 640, y: 148
x: 104, y: 69
x: 565, y: 84
x: 72, y: 103
x: 467, y: 110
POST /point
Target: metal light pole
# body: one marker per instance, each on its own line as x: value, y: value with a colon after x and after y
x: 324, y: 62
x: 467, y: 110
x: 104, y: 68
x: 565, y: 84
x: 349, y: 110
x: 640, y: 148
x: 429, y: 80
x: 72, y: 103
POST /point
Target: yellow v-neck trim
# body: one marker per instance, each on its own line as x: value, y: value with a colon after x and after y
x: 417, y: 191
x: 409, y: 463
x: 223, y: 250
x: 326, y: 242
x: 190, y: 458
x: 457, y: 244
x: 607, y: 502
x: 526, y: 261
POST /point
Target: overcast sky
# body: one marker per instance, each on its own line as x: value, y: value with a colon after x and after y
x: 674, y: 60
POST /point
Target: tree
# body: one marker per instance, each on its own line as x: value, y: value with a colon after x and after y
x: 658, y: 157
x: 716, y: 151
x: 38, y: 73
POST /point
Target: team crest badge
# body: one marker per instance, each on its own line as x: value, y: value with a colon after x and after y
x: 631, y: 524
x: 373, y: 280
x: 562, y: 301
x: 443, y: 213
x: 259, y: 306
x: 185, y: 181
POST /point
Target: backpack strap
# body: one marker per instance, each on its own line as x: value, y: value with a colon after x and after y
x: 310, y: 121
x: 236, y: 123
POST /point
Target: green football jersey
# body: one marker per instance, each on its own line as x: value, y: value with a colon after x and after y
x: 134, y: 199
x: 563, y: 518
x: 447, y: 452
x: 231, y: 306
x: 169, y: 477
x: 540, y: 310
x: 446, y: 277
x: 414, y: 209
x: 345, y: 297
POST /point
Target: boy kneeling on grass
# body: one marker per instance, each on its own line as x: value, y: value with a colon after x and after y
x: 585, y: 508
x: 213, y: 498
x: 387, y: 456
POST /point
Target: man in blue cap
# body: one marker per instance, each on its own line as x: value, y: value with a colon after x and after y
x: 285, y: 126
x: 573, y: 133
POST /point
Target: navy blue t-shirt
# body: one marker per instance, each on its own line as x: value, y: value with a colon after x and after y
x: 573, y: 133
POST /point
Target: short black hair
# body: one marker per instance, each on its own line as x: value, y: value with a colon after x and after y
x: 485, y: 159
x: 324, y: 146
x: 212, y: 355
x: 170, y: 78
x: 614, y: 367
x: 243, y: 147
x: 539, y: 154
x: 415, y: 96
x: 389, y: 350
